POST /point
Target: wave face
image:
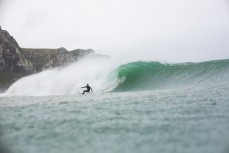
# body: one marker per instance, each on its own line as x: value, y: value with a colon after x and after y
x: 105, y: 75
x: 154, y: 75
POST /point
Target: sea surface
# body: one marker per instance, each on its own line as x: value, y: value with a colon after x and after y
x: 146, y: 107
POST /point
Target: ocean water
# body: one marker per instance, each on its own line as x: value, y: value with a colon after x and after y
x: 136, y: 107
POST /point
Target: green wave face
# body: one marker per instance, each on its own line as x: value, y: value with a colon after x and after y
x: 154, y: 75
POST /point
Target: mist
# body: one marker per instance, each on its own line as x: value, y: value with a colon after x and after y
x: 100, y: 72
x: 171, y: 31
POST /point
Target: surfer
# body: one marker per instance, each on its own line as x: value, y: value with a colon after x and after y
x: 88, y: 89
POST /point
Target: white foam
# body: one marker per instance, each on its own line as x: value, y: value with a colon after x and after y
x: 95, y: 71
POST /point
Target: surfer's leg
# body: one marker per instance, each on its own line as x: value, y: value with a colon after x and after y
x: 85, y: 91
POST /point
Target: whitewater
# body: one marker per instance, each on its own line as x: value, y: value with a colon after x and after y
x: 136, y: 107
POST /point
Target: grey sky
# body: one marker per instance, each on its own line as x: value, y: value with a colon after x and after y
x: 165, y: 30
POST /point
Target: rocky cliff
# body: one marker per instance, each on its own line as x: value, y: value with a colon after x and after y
x: 49, y: 58
x: 16, y: 62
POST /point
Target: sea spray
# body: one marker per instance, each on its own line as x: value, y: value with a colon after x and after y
x: 92, y: 70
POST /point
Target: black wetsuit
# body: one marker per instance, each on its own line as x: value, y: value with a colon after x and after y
x: 88, y: 89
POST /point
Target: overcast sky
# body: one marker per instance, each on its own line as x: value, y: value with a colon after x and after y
x: 164, y: 30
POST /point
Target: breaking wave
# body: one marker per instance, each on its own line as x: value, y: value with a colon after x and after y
x: 105, y: 75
